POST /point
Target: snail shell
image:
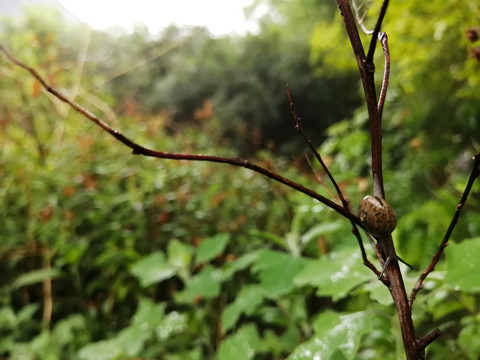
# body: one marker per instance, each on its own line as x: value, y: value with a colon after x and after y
x: 377, y: 216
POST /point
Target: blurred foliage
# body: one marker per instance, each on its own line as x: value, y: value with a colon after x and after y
x: 106, y: 255
x: 244, y: 78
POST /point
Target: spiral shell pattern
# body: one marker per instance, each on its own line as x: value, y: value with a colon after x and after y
x: 377, y: 216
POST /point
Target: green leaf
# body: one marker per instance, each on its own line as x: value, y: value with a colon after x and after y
x: 101, y: 350
x: 195, y: 354
x: 269, y: 236
x: 148, y: 315
x: 246, y: 302
x: 241, y: 263
x: 36, y: 276
x: 179, y: 254
x: 284, y: 343
x: 172, y: 323
x: 336, y: 336
x: 335, y: 275
x: 153, y: 269
x: 8, y: 319
x: 44, y: 346
x: 321, y: 229
x: 211, y: 247
x: 241, y: 345
x: 379, y: 292
x: 277, y: 271
x: 131, y: 340
x: 205, y: 285
x: 463, y: 266
x: 64, y: 332
x: 27, y: 312
x: 469, y: 337
x: 75, y: 251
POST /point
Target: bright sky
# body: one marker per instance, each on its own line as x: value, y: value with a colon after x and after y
x: 220, y: 16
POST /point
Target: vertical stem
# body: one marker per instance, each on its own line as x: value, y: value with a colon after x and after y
x: 399, y: 295
x: 47, y: 290
x: 395, y: 280
x: 367, y: 70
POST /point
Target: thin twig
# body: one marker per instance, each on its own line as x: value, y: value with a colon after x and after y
x: 140, y: 150
x: 376, y: 31
x: 345, y: 202
x: 367, y: 262
x: 317, y: 176
x: 427, y: 340
x: 383, y: 38
x: 386, y: 74
x: 474, y: 174
x: 299, y: 128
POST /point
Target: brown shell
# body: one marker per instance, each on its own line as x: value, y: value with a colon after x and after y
x: 377, y: 216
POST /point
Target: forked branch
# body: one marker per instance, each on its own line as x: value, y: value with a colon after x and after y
x: 388, y: 256
x: 298, y: 126
x: 383, y: 38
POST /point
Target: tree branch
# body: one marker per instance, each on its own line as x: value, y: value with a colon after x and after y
x: 474, y: 174
x: 140, y: 150
x: 376, y: 31
x: 386, y: 74
x: 345, y: 202
x: 383, y: 38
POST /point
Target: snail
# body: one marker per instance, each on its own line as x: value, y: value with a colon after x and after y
x: 377, y: 216
x: 379, y: 219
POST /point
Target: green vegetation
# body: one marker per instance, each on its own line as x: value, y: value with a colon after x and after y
x: 106, y: 255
